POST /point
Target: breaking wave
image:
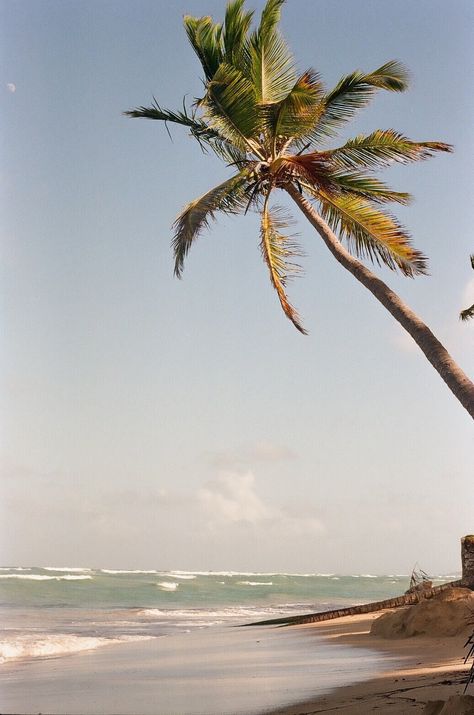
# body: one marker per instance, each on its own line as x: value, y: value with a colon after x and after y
x: 41, y: 646
x: 43, y: 577
x: 118, y: 571
x: 167, y: 585
x: 255, y: 583
x: 72, y: 569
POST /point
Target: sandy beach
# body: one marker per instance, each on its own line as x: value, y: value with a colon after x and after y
x: 424, y: 669
x: 243, y: 671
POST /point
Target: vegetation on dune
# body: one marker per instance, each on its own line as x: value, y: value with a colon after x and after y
x: 269, y: 123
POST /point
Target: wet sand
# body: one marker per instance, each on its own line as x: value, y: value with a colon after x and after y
x: 423, y: 669
x: 215, y: 671
x: 242, y: 671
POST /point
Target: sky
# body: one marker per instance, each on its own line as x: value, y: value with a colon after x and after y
x: 149, y: 422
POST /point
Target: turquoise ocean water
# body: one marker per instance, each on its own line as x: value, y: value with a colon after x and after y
x: 53, y: 611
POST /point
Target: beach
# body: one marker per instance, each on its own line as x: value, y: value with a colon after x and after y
x: 242, y: 671
x: 423, y: 669
x: 82, y: 641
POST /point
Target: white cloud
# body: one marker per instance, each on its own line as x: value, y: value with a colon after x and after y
x: 11, y: 87
x: 232, y: 498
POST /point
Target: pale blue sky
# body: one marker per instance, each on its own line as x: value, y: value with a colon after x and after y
x: 150, y: 422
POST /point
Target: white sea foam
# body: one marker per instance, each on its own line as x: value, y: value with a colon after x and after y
x: 72, y: 569
x: 321, y: 575
x: 255, y: 583
x: 15, y: 568
x: 48, y: 645
x: 222, y: 614
x: 167, y: 585
x: 182, y: 575
x: 231, y: 574
x: 367, y: 575
x: 118, y: 571
x: 43, y: 577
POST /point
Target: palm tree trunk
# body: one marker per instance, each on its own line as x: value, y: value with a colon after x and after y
x: 457, y: 381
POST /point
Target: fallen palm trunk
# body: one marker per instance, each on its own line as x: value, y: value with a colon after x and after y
x: 407, y: 599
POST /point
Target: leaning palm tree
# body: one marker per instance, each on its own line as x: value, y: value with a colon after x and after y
x: 269, y: 123
x: 468, y: 313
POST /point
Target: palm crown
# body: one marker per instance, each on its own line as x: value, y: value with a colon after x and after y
x: 268, y: 123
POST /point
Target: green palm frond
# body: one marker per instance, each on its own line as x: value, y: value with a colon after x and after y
x: 236, y: 27
x: 155, y: 111
x: 270, y: 18
x: 205, y: 37
x: 367, y: 187
x: 383, y: 147
x: 230, y: 108
x: 277, y: 250
x: 316, y: 170
x: 297, y: 113
x: 229, y: 197
x: 198, y: 128
x: 354, y: 92
x: 371, y: 233
x: 271, y: 65
x: 266, y: 121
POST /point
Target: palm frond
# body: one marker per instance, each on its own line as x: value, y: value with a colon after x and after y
x: 236, y: 27
x: 354, y: 92
x: 205, y: 37
x: 229, y: 106
x: 367, y: 187
x: 155, y: 111
x: 270, y: 63
x: 314, y: 169
x: 467, y: 314
x: 371, y: 233
x: 228, y: 197
x: 297, y: 113
x: 270, y: 18
x: 199, y: 129
x: 277, y: 248
x: 383, y: 147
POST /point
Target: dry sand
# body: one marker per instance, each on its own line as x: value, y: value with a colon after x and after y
x: 431, y: 669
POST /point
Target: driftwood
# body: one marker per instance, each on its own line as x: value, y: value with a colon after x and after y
x: 407, y: 599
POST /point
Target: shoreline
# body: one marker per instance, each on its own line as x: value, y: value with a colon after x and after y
x: 222, y: 671
x: 251, y: 671
x: 425, y: 669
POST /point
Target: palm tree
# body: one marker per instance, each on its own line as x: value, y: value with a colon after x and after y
x: 468, y: 313
x: 268, y: 123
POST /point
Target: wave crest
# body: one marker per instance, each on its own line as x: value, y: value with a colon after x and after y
x: 34, y: 646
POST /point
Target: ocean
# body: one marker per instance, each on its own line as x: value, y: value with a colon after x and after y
x: 55, y: 611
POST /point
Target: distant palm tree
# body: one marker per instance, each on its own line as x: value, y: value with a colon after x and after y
x: 268, y: 122
x: 468, y: 312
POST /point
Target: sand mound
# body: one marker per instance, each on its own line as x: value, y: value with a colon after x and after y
x: 450, y: 613
x: 456, y: 705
